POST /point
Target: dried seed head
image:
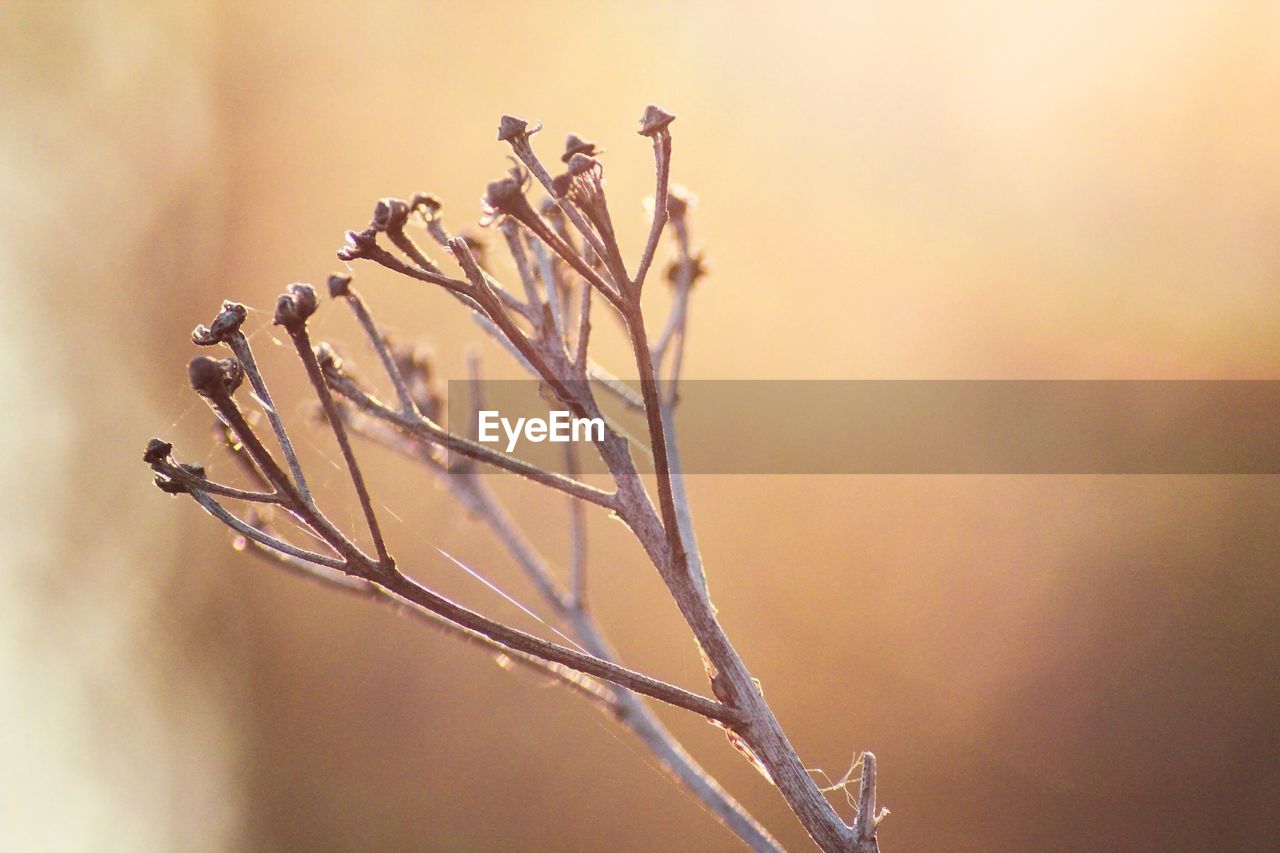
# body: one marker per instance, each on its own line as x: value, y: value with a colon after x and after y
x: 328, y: 358
x: 389, y: 214
x: 339, y: 285
x: 415, y: 365
x: 583, y: 184
x: 226, y: 324
x: 502, y: 193
x: 679, y: 201
x: 412, y: 359
x: 560, y: 186
x: 697, y: 269
x: 294, y: 306
x: 425, y: 204
x: 358, y: 244
x: 655, y: 120
x: 215, y: 378
x: 575, y: 144
x: 510, y: 127
x: 428, y: 209
x: 506, y: 197
x: 581, y: 164
x: 157, y: 450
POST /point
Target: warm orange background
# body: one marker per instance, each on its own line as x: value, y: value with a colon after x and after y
x: 989, y: 190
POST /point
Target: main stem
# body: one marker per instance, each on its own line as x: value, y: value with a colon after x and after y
x: 732, y: 681
x: 657, y: 433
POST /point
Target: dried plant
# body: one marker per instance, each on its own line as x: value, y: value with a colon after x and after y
x: 567, y: 256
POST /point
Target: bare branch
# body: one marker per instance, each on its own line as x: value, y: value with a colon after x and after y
x: 425, y: 429
x: 292, y: 310
x: 249, y: 531
x: 654, y: 125
x: 589, y: 664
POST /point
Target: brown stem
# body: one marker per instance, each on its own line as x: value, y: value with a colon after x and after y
x: 662, y: 159
x: 579, y: 661
x: 302, y: 343
x: 224, y: 404
x: 657, y: 432
x: 379, y: 343
x: 426, y: 429
x: 239, y: 345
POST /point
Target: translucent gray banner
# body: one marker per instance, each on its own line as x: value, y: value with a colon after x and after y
x: 914, y: 427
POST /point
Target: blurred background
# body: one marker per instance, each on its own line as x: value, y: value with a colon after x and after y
x: 914, y: 190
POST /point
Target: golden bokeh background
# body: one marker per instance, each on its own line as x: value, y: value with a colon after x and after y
x: 913, y: 190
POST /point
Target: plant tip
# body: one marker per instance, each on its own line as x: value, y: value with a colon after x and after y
x: 389, y: 214
x: 511, y: 128
x: 339, y: 285
x: 157, y: 451
x: 358, y: 244
x: 215, y: 378
x: 654, y: 120
x: 294, y: 306
x: 575, y: 144
x: 225, y: 325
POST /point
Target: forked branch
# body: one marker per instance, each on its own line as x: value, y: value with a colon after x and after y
x: 567, y: 246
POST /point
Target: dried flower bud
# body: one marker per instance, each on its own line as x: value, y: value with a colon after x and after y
x: 358, y: 244
x: 415, y: 365
x: 502, y: 193
x: 295, y: 306
x: 389, y: 214
x: 411, y: 359
x: 157, y: 451
x: 575, y: 144
x: 698, y: 269
x: 215, y: 378
x: 426, y: 204
x: 511, y: 129
x: 339, y: 285
x: 226, y: 324
x: 679, y: 200
x: 560, y: 185
x: 654, y: 120
x: 327, y: 358
x: 506, y: 197
x: 580, y: 164
x: 583, y: 185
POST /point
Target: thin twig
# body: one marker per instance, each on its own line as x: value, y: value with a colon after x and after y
x: 584, y: 685
x: 529, y: 644
x: 562, y: 362
x: 293, y: 318
x: 340, y: 287
x: 662, y: 161
x: 239, y: 345
x: 577, y: 534
x: 249, y: 531
x: 426, y: 429
x: 584, y: 331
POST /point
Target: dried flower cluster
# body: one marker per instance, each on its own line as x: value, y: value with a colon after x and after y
x: 566, y: 253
